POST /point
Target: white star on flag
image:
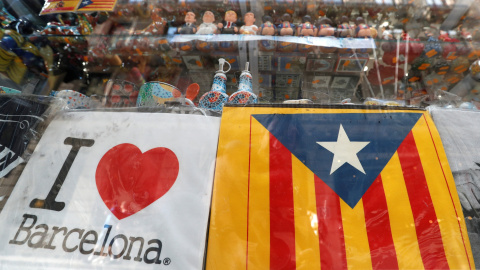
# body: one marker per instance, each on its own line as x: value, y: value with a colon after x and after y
x: 85, y: 3
x: 344, y: 151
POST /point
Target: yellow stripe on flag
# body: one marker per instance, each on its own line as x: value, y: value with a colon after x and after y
x: 450, y: 216
x: 307, y: 249
x: 451, y: 183
x: 228, y: 225
x: 259, y: 203
x: 356, y: 240
x: 402, y: 223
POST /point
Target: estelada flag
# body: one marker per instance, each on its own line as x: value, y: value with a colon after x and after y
x: 96, y: 5
x: 61, y: 6
x: 334, y: 188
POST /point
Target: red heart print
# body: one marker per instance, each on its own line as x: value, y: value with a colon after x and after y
x: 129, y: 181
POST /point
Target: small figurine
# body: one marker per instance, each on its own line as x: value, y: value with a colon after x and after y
x: 344, y: 28
x: 362, y: 30
x: 249, y: 28
x: 267, y: 29
x: 208, y: 26
x: 325, y: 29
x: 286, y: 27
x: 307, y: 28
x: 229, y: 27
x: 189, y: 27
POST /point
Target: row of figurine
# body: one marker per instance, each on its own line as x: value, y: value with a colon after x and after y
x: 321, y: 28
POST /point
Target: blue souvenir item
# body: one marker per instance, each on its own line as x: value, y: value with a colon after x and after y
x: 217, y: 96
x: 156, y: 93
x: 245, y: 94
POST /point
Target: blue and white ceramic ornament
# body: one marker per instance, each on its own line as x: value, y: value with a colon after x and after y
x: 217, y: 96
x: 245, y: 94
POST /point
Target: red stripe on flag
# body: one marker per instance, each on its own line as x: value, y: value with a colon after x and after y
x: 426, y: 224
x: 380, y: 240
x: 282, y: 218
x: 330, y: 227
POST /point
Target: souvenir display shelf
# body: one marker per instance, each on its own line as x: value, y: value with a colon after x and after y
x: 391, y: 52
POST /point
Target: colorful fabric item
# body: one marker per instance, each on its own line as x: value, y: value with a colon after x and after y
x: 56, y: 6
x: 312, y: 188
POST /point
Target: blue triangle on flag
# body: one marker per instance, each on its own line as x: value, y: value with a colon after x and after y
x: 300, y: 134
x: 85, y: 3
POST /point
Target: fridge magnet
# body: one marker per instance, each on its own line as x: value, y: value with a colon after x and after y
x: 320, y: 64
x: 343, y: 82
x: 287, y: 80
x: 321, y: 81
x: 193, y: 61
x: 350, y: 64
